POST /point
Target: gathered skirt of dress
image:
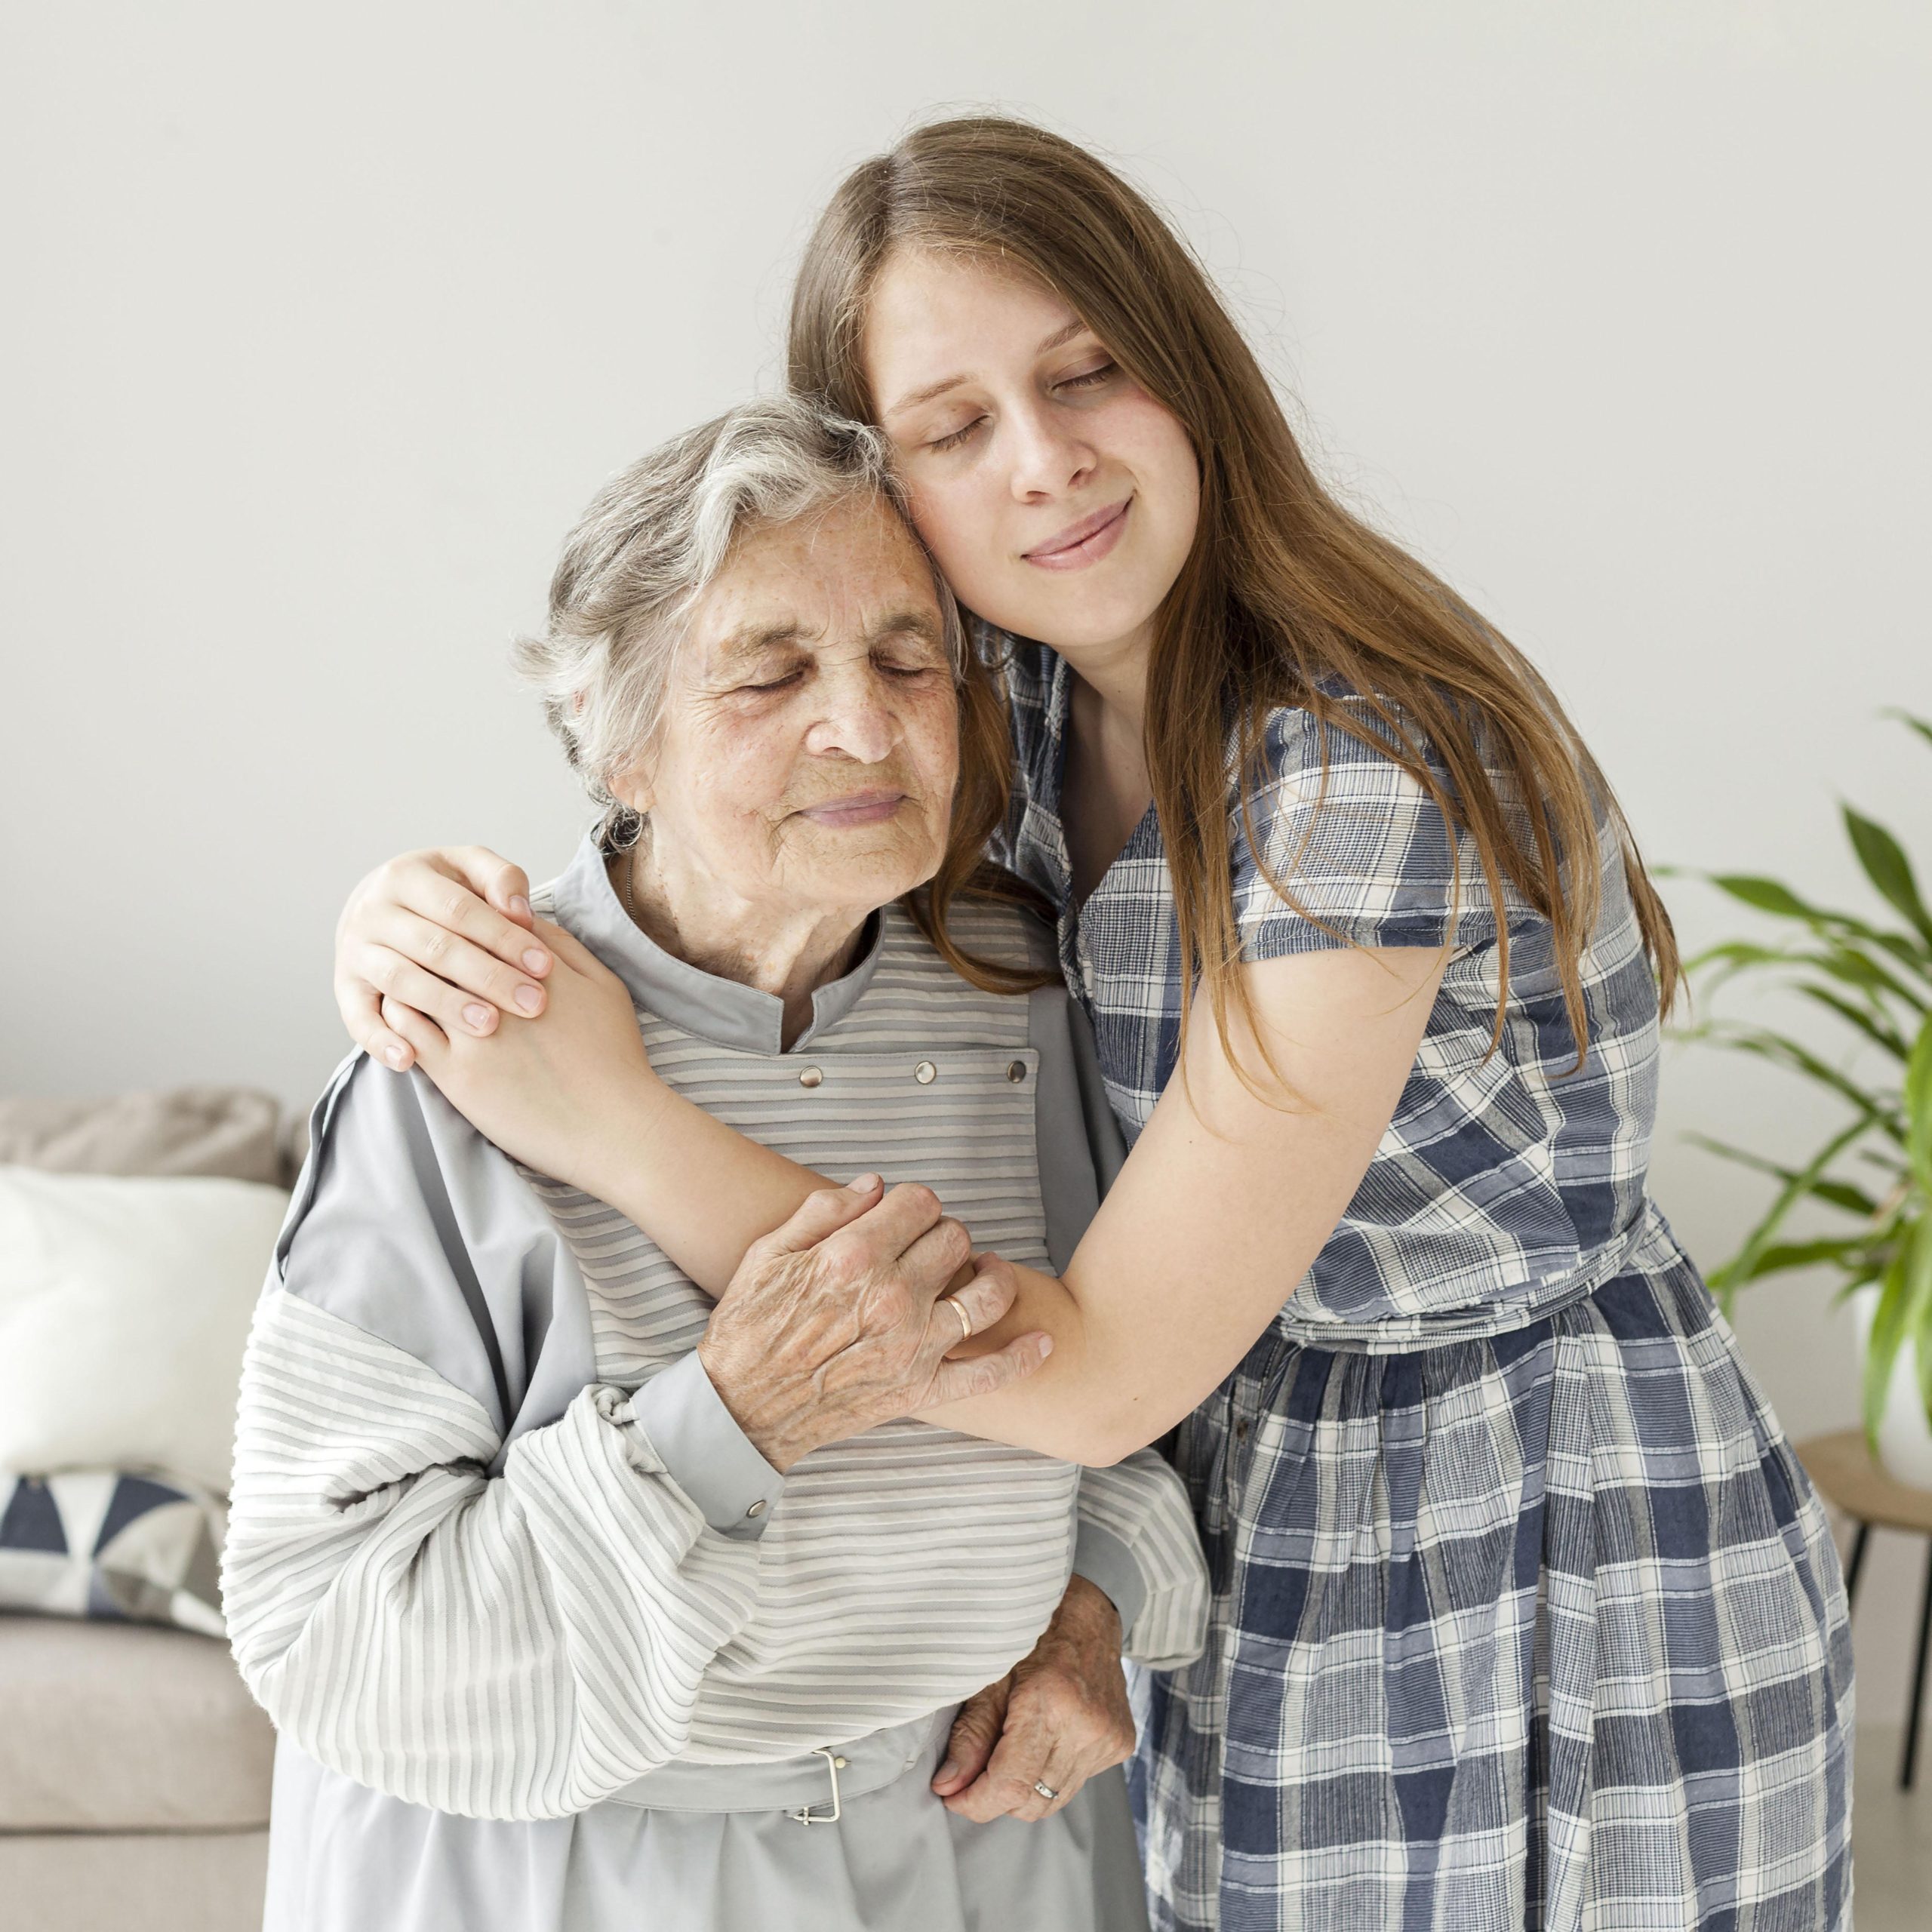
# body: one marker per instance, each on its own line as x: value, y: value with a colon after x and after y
x: 1544, y: 1630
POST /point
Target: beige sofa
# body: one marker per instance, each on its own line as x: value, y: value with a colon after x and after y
x: 135, y: 1766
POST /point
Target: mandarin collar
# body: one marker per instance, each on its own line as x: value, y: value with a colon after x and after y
x: 723, y: 1011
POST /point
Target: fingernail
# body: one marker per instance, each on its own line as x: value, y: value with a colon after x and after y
x: 864, y: 1183
x: 477, y: 1016
x: 528, y: 999
x: 947, y: 1770
x: 1046, y: 1346
x: 394, y: 1056
x: 534, y: 962
x: 519, y: 906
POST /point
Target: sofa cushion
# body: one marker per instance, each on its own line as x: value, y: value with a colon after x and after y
x: 124, y: 1307
x: 124, y: 1727
x: 230, y: 1132
x: 100, y: 1543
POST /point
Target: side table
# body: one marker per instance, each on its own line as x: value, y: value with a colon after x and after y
x: 1842, y: 1469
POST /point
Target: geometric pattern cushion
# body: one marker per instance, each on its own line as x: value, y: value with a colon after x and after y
x: 103, y: 1543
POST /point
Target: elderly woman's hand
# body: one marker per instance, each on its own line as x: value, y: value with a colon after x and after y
x: 1057, y: 1719
x: 545, y: 1094
x: 840, y: 1320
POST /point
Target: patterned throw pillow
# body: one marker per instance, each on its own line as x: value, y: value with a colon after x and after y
x: 101, y: 1544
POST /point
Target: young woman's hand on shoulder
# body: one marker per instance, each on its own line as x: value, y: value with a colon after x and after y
x: 446, y: 932
x: 551, y: 1096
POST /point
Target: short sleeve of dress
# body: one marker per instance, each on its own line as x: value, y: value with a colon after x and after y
x: 1367, y: 858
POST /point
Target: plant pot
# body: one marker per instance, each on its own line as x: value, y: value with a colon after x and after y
x: 1905, y: 1436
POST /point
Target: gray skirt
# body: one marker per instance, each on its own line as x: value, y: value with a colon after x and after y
x: 707, y: 1848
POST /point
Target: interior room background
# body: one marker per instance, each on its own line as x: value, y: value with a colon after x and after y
x: 321, y: 328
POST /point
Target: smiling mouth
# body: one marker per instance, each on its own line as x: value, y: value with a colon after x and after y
x: 859, y: 808
x: 1083, y: 542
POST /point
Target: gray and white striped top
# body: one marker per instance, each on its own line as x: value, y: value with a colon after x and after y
x: 496, y: 1547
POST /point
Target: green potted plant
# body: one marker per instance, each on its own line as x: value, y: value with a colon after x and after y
x: 1872, y: 1176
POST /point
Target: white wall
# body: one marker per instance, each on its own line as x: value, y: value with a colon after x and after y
x: 320, y: 327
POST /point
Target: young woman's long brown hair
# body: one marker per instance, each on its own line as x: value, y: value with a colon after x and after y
x: 1285, y: 594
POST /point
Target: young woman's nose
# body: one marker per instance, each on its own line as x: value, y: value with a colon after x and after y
x: 1046, y: 456
x: 856, y: 718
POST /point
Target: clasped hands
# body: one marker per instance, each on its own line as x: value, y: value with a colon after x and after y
x: 838, y: 1322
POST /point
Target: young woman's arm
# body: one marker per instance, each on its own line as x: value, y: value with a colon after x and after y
x: 1228, y: 1196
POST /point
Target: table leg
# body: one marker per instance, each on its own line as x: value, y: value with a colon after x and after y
x: 1907, y: 1770
x: 1857, y: 1564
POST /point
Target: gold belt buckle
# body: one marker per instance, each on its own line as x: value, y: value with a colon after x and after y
x: 833, y: 1766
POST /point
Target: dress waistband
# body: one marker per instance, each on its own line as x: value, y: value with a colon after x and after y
x: 1403, y: 1334
x: 811, y: 1788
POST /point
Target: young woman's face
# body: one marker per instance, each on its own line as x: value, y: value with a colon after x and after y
x: 1060, y: 499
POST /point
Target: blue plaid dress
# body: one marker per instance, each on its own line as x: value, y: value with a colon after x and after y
x: 1525, y: 1616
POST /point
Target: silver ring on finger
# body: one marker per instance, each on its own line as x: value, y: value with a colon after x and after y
x: 965, y: 1320
x: 1045, y: 1790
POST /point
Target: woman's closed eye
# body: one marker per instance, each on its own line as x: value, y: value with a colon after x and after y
x: 1091, y: 379
x: 956, y: 438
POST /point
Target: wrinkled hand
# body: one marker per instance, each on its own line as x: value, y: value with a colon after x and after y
x: 552, y: 1096
x: 840, y: 1321
x: 1060, y: 1715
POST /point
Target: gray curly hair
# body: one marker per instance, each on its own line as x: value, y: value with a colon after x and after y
x: 654, y: 539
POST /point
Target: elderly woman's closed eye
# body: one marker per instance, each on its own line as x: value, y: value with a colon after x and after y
x: 526, y: 1532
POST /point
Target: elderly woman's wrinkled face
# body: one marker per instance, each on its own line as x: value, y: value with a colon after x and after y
x: 810, y: 742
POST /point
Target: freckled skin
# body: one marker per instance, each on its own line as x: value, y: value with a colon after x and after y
x: 750, y: 883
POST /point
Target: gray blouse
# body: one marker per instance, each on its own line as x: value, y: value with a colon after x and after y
x: 496, y: 1546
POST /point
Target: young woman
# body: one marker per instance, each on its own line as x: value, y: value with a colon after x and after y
x: 1525, y: 1614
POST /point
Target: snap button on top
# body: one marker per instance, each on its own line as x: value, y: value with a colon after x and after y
x: 1016, y: 1070
x: 757, y: 1508
x: 925, y: 1073
x: 838, y: 1764
x: 810, y: 1077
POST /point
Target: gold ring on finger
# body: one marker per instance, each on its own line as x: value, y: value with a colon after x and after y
x: 965, y: 1320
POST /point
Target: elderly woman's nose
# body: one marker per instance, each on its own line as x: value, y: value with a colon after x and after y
x: 859, y: 719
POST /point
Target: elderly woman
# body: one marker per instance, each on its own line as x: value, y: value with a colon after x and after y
x: 576, y: 1602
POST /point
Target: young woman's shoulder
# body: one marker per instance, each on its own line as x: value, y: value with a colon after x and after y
x: 1335, y: 841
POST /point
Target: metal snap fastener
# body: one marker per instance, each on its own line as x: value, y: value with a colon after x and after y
x: 810, y: 1077
x: 925, y: 1073
x: 757, y: 1508
x: 838, y: 1764
x: 1016, y: 1070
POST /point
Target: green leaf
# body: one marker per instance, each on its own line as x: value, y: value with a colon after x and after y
x: 1781, y: 1256
x: 1918, y: 1108
x: 1875, y: 1030
x: 1838, y: 1193
x: 1918, y: 1319
x: 1766, y: 895
x: 1741, y: 1267
x: 1844, y: 961
x: 1781, y: 1051
x: 1887, y: 1332
x: 1919, y: 725
x: 1906, y: 952
x: 1739, y: 952
x: 1887, y: 866
x: 1850, y: 1285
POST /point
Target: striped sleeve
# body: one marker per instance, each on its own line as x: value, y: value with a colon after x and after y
x: 1136, y: 1540
x: 458, y: 1570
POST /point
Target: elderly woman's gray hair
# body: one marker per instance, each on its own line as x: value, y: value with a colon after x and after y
x: 654, y: 540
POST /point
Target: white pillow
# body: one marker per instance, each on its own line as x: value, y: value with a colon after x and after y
x: 124, y: 1307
